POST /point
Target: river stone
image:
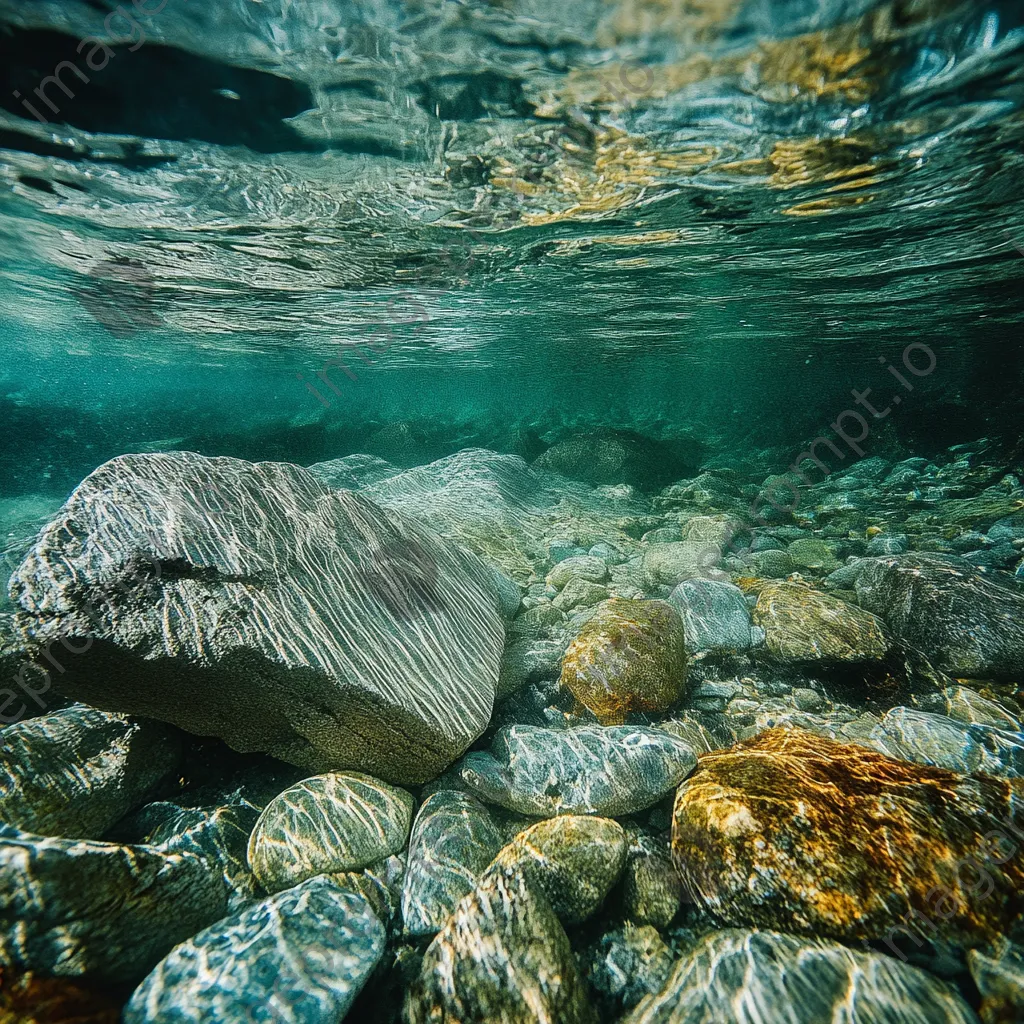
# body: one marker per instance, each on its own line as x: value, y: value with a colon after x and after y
x: 811, y: 553
x: 353, y: 471
x: 715, y: 616
x: 772, y: 564
x: 300, y: 956
x: 743, y: 977
x: 75, y: 772
x: 1000, y: 980
x: 574, y: 859
x: 251, y: 602
x: 588, y: 770
x: 82, y: 908
x: 967, y: 705
x: 579, y: 593
x: 380, y: 885
x: 651, y: 888
x: 798, y: 832
x: 670, y: 564
x: 453, y: 839
x: 503, y: 957
x: 528, y: 661
x: 801, y: 624
x: 625, y: 965
x: 926, y: 738
x: 584, y: 567
x: 630, y: 657
x: 341, y: 821
x: 967, y: 622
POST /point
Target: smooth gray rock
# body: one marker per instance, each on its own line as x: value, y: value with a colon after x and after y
x: 353, y: 471
x: 716, y: 616
x: 251, y: 602
x: 744, y: 977
x: 504, y: 957
x: 589, y: 770
x: 79, y: 908
x: 453, y: 839
x: 966, y: 622
x: 301, y: 957
x: 75, y: 772
x: 965, y: 747
x: 341, y: 821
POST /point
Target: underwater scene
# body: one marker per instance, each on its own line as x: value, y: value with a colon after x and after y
x: 512, y: 512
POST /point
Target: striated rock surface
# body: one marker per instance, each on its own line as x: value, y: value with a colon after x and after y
x: 300, y: 956
x: 798, y: 832
x: 341, y: 821
x: 741, y: 977
x: 589, y: 770
x: 958, y: 746
x: 968, y: 623
x: 504, y: 958
x: 715, y: 616
x: 453, y: 839
x: 801, y: 624
x: 630, y: 656
x: 75, y: 772
x: 1000, y: 980
x: 251, y: 602
x: 574, y: 859
x: 109, y: 912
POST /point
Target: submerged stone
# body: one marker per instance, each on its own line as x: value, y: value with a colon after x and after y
x: 798, y: 832
x: 801, y: 624
x: 651, y: 888
x: 574, y: 859
x: 625, y: 965
x: 453, y: 839
x: 251, y: 602
x: 341, y: 821
x: 75, y: 772
x: 108, y: 912
x: 811, y: 553
x: 589, y: 770
x: 302, y: 956
x: 743, y: 977
x: 504, y: 957
x: 958, y: 746
x: 631, y: 656
x: 967, y: 622
x: 670, y: 564
x: 1000, y: 980
x: 715, y: 616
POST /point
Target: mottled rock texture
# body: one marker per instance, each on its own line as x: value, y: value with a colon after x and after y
x: 251, y: 602
x: 1000, y: 980
x: 741, y: 977
x: 299, y: 957
x: 109, y: 912
x: 75, y: 772
x: 625, y: 965
x: 589, y: 770
x: 342, y: 821
x: 802, y: 624
x: 968, y: 623
x: 794, y: 831
x: 503, y: 957
x: 630, y: 656
x: 574, y: 859
x: 651, y: 888
x: 453, y: 839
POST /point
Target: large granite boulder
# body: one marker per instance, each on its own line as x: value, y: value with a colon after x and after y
x: 342, y: 821
x: 302, y: 956
x: 75, y: 772
x: 504, y: 957
x: 249, y: 601
x: 629, y: 657
x: 589, y: 770
x: 453, y: 839
x: 743, y: 977
x: 968, y: 623
x: 798, y: 832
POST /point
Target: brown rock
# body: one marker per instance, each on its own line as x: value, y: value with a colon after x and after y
x: 798, y: 832
x: 630, y: 656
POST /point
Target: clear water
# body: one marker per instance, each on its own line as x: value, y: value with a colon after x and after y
x: 298, y: 231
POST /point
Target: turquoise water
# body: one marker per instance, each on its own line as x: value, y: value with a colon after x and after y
x: 703, y: 233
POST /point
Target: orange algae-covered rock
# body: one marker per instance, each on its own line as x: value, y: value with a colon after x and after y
x: 798, y: 832
x: 629, y: 657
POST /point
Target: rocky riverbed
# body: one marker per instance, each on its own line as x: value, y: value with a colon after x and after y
x: 490, y: 741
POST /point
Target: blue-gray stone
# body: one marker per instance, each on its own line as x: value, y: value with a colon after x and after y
x: 888, y: 544
x: 299, y: 957
x: 715, y: 616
